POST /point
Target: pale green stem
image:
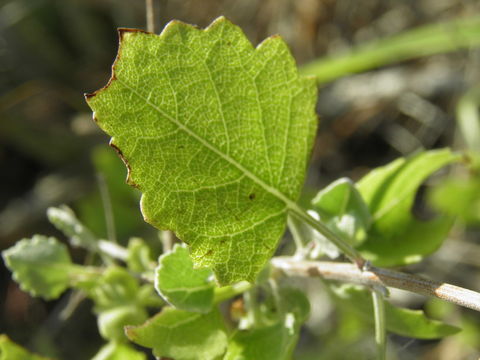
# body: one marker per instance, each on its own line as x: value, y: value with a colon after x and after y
x: 107, y: 208
x: 251, y: 307
x: 112, y: 250
x: 228, y: 292
x: 297, y: 237
x: 341, y: 244
x: 379, y: 317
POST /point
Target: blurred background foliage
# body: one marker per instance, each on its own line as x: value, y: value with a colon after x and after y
x: 53, y: 51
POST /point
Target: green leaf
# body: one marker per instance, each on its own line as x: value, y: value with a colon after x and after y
x: 41, y: 265
x: 182, y: 335
x: 118, y: 351
x: 65, y: 220
x: 216, y: 134
x: 270, y: 342
x: 342, y: 208
x: 405, y: 322
x: 396, y: 236
x: 459, y: 197
x: 119, y: 301
x: 181, y: 285
x: 111, y: 322
x: 11, y: 351
x: 139, y: 256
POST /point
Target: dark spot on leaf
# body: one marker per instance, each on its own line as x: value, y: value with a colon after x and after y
x: 209, y: 252
x: 181, y: 147
x: 251, y: 196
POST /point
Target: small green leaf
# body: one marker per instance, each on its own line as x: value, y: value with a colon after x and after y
x: 396, y: 236
x: 115, y: 287
x: 41, y: 266
x: 182, y: 335
x: 459, y: 197
x: 65, y: 220
x: 216, y: 135
x: 139, y: 256
x: 11, y: 351
x: 342, y: 208
x: 405, y: 322
x: 119, y: 301
x: 181, y: 285
x: 119, y: 351
x: 111, y: 322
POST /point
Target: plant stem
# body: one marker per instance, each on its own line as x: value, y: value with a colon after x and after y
x: 113, y: 250
x: 107, y: 208
x: 228, y: 292
x: 150, y: 16
x: 341, y: 244
x: 297, y: 237
x: 378, y: 277
x: 379, y: 316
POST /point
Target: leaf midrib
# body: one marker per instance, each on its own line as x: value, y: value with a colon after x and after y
x: 275, y: 192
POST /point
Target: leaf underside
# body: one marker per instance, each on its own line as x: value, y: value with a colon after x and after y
x: 215, y: 133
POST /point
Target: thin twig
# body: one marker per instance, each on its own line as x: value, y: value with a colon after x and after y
x: 150, y: 16
x: 348, y: 250
x: 107, y: 208
x: 380, y: 330
x: 374, y: 277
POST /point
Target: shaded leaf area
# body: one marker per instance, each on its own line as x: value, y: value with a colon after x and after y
x: 119, y: 301
x: 182, y: 335
x: 181, y: 285
x: 397, y: 236
x: 343, y: 209
x: 278, y: 329
x: 11, y: 351
x: 118, y: 351
x: 216, y: 135
x: 406, y: 322
x: 139, y: 257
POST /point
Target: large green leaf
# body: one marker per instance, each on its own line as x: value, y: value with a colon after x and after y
x: 216, y: 135
x: 406, y: 322
x: 182, y: 335
x: 397, y: 235
x: 41, y: 266
x: 11, y: 351
x: 181, y: 285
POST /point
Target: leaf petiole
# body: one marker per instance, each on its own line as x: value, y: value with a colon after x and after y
x: 343, y: 246
x: 380, y: 330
